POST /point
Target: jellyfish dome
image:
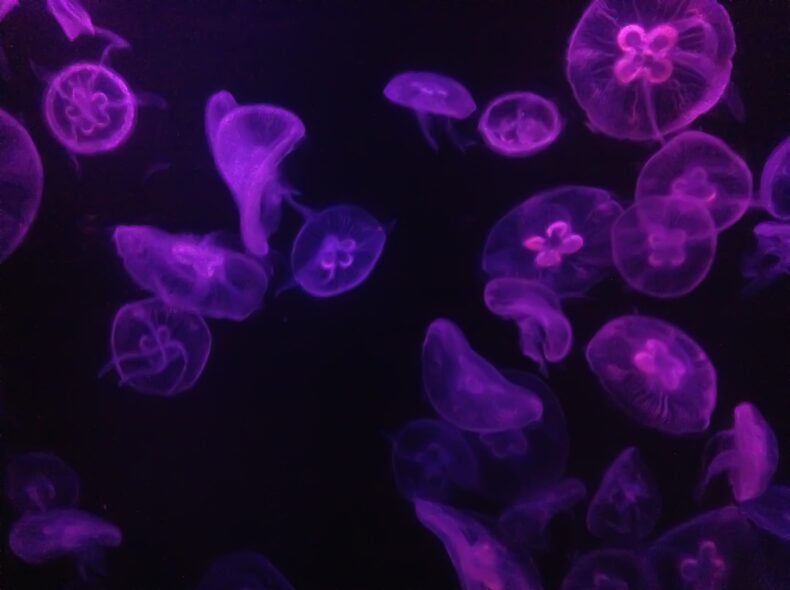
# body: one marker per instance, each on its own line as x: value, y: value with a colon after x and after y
x: 520, y: 124
x: 699, y: 166
x: 770, y: 511
x: 559, y: 237
x: 642, y: 70
x: 664, y: 247
x: 775, y: 182
x: 655, y: 373
x: 245, y: 570
x: 772, y: 258
x: 37, y: 482
x: 611, y: 569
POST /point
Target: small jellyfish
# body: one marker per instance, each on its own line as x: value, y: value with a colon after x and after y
x: 627, y: 504
x: 775, y: 182
x: 611, y: 569
x: 158, y: 349
x: 37, y: 482
x: 771, y: 261
x: 21, y: 184
x: 642, y: 70
x: 431, y: 96
x: 7, y: 6
x: 466, y: 390
x: 655, y: 373
x: 664, y: 247
x: 244, y: 570
x: 748, y: 452
x: 699, y: 166
x: 75, y: 21
x: 559, y: 237
x: 770, y: 511
x: 545, y: 332
x: 336, y: 250
x: 520, y: 124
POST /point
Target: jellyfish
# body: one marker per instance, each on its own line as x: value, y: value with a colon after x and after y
x: 627, y: 505
x: 545, y: 332
x: 664, y: 247
x: 643, y: 70
x: 75, y: 21
x: 775, y: 182
x: 336, y: 250
x: 611, y: 569
x: 37, y: 482
x: 772, y: 258
x: 770, y: 511
x: 7, y: 6
x: 431, y: 96
x: 520, y: 124
x: 158, y: 349
x: 192, y: 272
x: 655, y: 373
x: 748, y: 453
x: 244, y: 570
x: 466, y: 390
x: 21, y: 184
x: 559, y: 237
x: 699, y: 166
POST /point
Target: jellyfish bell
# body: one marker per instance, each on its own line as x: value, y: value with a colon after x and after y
x: 611, y: 569
x: 520, y: 124
x: 37, y: 482
x: 771, y: 260
x: 245, y: 570
x: 770, y: 511
x: 775, y: 182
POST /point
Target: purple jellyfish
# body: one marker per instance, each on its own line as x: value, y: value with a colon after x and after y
x: 772, y: 258
x: 21, y: 184
x: 7, y: 6
x: 545, y: 332
x: 611, y: 569
x: 245, y: 570
x: 192, y: 272
x: 559, y: 237
x: 664, y: 247
x: 655, y: 373
x: 748, y: 452
x: 37, y: 482
x: 775, y: 182
x: 75, y: 21
x: 627, y: 505
x: 699, y: 166
x: 431, y: 95
x: 520, y: 124
x: 158, y: 349
x: 466, y: 390
x: 770, y: 511
x: 336, y: 250
x: 642, y: 70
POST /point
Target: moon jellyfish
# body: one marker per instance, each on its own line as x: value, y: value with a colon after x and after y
x: 559, y: 237
x: 245, y: 570
x: 158, y: 349
x: 699, y: 166
x: 430, y: 95
x: 7, y: 6
x: 75, y: 21
x: 664, y: 247
x: 627, y: 504
x: 775, y: 182
x: 520, y: 124
x: 770, y: 511
x: 644, y: 70
x: 611, y: 569
x: 772, y: 258
x: 336, y: 250
x: 545, y: 332
x: 21, y: 184
x: 748, y: 452
x: 466, y: 390
x: 36, y: 482
x: 655, y: 373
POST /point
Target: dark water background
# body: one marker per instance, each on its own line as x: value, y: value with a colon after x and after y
x: 282, y: 446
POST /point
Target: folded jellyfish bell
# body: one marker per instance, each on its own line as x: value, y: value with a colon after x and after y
x: 520, y: 124
x: 245, y: 570
x: 75, y: 22
x: 770, y: 511
x: 775, y: 182
x: 37, y: 482
x: 611, y: 569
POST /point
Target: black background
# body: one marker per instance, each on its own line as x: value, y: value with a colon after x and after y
x: 282, y: 446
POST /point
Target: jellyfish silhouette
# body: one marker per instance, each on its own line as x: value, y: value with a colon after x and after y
x: 245, y: 570
x: 642, y: 70
x: 520, y: 124
x: 775, y: 182
x: 611, y: 569
x: 771, y: 260
x: 37, y: 482
x: 770, y: 511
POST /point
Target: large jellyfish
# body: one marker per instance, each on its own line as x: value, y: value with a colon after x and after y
x: 21, y: 184
x: 699, y: 166
x: 642, y: 70
x: 559, y: 237
x: 36, y: 482
x: 770, y: 511
x: 655, y: 373
x: 775, y: 182
x: 520, y: 124
x: 611, y: 569
x: 244, y: 570
x: 771, y: 261
x: 627, y: 504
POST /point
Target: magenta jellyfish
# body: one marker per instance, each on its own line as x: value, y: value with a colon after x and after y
x: 655, y: 373
x: 642, y: 70
x: 627, y: 505
x: 37, y: 482
x: 775, y: 182
x: 336, y: 250
x: 559, y: 237
x: 611, y: 569
x: 158, y: 349
x: 770, y: 511
x: 21, y: 184
x: 545, y: 332
x: 244, y: 570
x: 771, y: 261
x: 7, y: 6
x: 520, y: 124
x: 431, y: 96
x: 748, y: 453
x: 664, y: 247
x: 469, y: 392
x: 75, y: 21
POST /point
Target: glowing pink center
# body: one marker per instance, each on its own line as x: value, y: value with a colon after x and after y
x: 337, y: 253
x: 645, y: 54
x: 706, y: 570
x: 667, y: 247
x: 655, y: 361
x: 694, y: 183
x: 559, y: 240
x: 88, y: 111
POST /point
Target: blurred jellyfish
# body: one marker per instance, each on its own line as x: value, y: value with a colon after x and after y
x: 611, y: 569
x: 75, y: 21
x: 775, y: 182
x: 245, y: 570
x: 772, y: 258
x: 158, y: 349
x: 664, y: 247
x: 770, y: 511
x: 520, y: 124
x: 431, y: 96
x: 466, y: 390
x: 699, y: 166
x: 748, y: 453
x: 36, y: 482
x: 642, y: 70
x: 21, y: 184
x: 545, y: 332
x: 655, y: 373
x: 559, y: 237
x: 7, y: 6
x: 627, y: 504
